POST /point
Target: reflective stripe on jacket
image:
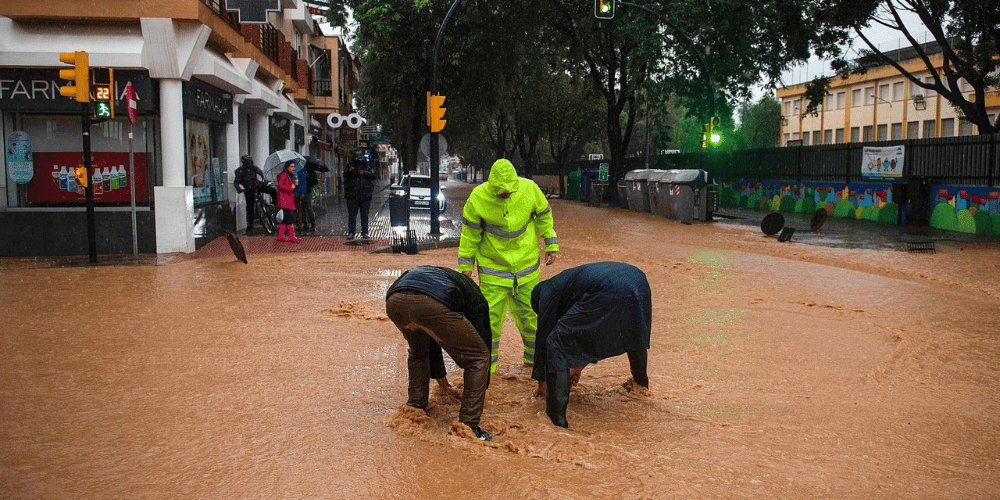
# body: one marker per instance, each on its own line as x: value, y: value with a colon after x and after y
x: 501, y: 235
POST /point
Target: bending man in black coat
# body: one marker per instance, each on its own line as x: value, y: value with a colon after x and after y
x: 586, y: 314
x: 434, y: 306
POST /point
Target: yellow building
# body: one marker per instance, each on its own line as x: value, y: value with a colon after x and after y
x: 878, y: 106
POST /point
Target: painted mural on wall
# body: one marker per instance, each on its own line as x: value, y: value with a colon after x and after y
x: 964, y: 209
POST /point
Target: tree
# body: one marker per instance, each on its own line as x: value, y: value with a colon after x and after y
x: 760, y: 124
x: 967, y: 33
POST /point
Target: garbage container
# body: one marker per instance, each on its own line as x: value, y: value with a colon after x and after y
x: 685, y: 195
x: 623, y: 193
x: 653, y: 185
x: 587, y: 178
x: 598, y: 190
x: 399, y: 206
x: 573, y: 185
x: 638, y: 189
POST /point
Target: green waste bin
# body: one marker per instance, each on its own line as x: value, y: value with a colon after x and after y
x: 573, y: 185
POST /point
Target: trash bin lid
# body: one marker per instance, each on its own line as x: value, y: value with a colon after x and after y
x: 658, y: 175
x: 686, y: 176
x: 633, y: 175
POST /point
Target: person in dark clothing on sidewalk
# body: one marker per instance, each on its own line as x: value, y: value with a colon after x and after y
x: 249, y: 179
x: 586, y: 314
x: 359, y: 179
x: 431, y: 304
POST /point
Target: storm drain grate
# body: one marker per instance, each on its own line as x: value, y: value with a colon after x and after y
x: 920, y: 247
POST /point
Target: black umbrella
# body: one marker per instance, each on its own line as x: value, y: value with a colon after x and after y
x: 316, y: 164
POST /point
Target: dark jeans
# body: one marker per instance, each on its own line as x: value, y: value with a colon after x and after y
x: 249, y: 195
x: 420, y: 319
x: 308, y: 215
x: 353, y: 206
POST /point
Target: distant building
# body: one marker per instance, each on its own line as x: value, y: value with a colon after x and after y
x: 212, y: 85
x: 877, y: 106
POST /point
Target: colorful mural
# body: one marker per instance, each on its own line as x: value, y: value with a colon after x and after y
x: 964, y: 209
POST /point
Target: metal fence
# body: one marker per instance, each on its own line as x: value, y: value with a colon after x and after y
x: 967, y: 160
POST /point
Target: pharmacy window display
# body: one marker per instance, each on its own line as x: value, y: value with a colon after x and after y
x: 56, y: 144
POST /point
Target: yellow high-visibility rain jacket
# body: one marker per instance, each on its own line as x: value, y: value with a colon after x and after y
x: 501, y: 235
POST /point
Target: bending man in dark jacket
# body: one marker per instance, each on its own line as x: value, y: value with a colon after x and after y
x: 586, y: 314
x: 435, y: 304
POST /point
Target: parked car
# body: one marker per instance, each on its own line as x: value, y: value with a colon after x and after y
x: 420, y: 191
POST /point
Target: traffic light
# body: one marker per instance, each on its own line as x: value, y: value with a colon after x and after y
x: 81, y: 177
x: 714, y: 136
x: 604, y: 9
x: 435, y: 113
x: 704, y: 135
x: 80, y: 75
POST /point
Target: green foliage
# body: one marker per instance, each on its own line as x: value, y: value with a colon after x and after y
x: 845, y: 210
x: 943, y: 217
x: 870, y: 213
x: 805, y: 205
x: 787, y: 203
x: 889, y: 214
x: 754, y: 201
x: 760, y: 124
x: 775, y: 203
x: 984, y: 225
x: 966, y: 223
x: 727, y: 197
x: 995, y: 218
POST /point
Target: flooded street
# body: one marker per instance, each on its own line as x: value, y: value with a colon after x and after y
x: 776, y: 371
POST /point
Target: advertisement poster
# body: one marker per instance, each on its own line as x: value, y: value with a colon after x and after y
x: 882, y: 163
x: 19, y: 159
x: 54, y: 179
x: 198, y: 171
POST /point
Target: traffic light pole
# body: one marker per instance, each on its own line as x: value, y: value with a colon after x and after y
x: 434, y: 153
x: 89, y: 190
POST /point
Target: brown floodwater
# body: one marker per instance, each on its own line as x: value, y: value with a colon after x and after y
x: 776, y: 371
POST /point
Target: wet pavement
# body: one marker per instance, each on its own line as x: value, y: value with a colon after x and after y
x: 331, y: 233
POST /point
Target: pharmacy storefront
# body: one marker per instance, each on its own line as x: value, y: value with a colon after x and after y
x: 43, y: 210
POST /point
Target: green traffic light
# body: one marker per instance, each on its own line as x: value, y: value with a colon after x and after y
x: 716, y: 138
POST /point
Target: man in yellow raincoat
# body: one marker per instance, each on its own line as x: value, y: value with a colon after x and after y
x: 502, y: 221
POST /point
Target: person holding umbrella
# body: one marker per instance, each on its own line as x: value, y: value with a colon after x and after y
x: 287, y: 182
x: 313, y: 168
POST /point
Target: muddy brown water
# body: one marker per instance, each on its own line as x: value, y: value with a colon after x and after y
x: 776, y: 371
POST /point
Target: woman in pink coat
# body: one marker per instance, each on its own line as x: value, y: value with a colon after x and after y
x: 287, y: 182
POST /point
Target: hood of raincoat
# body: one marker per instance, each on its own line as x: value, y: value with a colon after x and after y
x: 503, y: 177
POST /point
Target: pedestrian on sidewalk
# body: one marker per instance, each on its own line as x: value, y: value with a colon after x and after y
x: 300, y: 192
x: 359, y: 178
x: 586, y: 314
x: 435, y: 304
x: 501, y: 223
x: 249, y: 180
x: 287, y: 182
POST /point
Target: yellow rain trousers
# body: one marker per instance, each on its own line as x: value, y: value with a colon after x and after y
x: 500, y: 240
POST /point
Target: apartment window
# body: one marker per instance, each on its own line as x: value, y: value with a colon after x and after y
x: 929, y: 131
x: 866, y: 135
x: 828, y: 101
x: 913, y: 130
x: 965, y: 127
x: 787, y: 137
x: 855, y: 98
x: 855, y: 134
x: 840, y: 136
x: 897, y: 91
x: 816, y: 137
x: 928, y: 92
x: 805, y: 139
x: 883, y: 92
x: 797, y: 106
x: 828, y: 136
x: 916, y: 89
x: 948, y: 127
x: 883, y: 132
x: 795, y: 136
x: 897, y: 131
x: 788, y: 107
x: 841, y: 100
x: 869, y: 96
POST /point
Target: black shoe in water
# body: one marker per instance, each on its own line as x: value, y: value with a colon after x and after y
x: 480, y: 433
